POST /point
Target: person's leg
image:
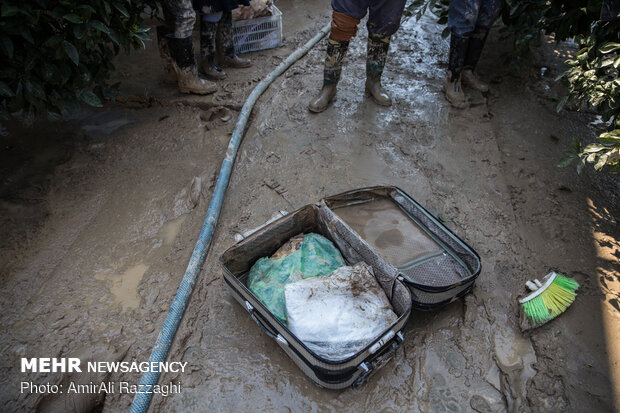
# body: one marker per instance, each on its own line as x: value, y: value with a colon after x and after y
x: 208, y: 32
x: 227, y: 45
x: 489, y: 11
x: 344, y: 28
x: 462, y: 17
x: 383, y: 21
x: 182, y: 49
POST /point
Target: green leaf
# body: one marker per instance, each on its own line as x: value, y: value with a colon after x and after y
x: 445, y: 33
x: 90, y: 98
x: 71, y: 52
x: 73, y: 18
x: 5, y: 90
x: 87, y: 7
x: 609, y: 47
x: 561, y: 104
x: 25, y: 32
x: 79, y: 30
x: 53, y: 116
x: 7, y: 44
x: 8, y: 10
x: 121, y: 9
x: 602, y: 160
x: 593, y: 148
x: 100, y: 26
x: 564, y: 162
x: 580, y: 165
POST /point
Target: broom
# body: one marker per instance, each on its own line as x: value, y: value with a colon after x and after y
x: 548, y: 299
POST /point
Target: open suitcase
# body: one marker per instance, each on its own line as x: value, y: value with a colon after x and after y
x: 415, y: 259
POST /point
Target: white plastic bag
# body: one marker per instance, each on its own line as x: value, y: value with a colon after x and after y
x: 338, y: 315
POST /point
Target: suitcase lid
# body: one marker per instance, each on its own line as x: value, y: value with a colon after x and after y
x: 418, y: 245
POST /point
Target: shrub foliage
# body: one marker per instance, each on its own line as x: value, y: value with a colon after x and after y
x: 56, y: 54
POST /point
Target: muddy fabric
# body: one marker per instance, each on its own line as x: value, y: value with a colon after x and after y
x: 225, y: 35
x: 316, y: 257
x: 458, y: 51
x: 180, y: 17
x: 336, y: 52
x: 214, y: 6
x: 383, y: 15
x: 344, y: 27
x: 208, y: 32
x: 182, y: 52
x: 290, y: 247
x: 215, y: 36
x: 376, y: 55
x: 338, y: 315
x: 474, y: 48
x: 465, y: 15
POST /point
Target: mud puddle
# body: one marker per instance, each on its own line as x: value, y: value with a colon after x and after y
x: 124, y: 287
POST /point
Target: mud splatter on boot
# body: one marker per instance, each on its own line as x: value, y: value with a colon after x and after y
x: 474, y: 51
x: 226, y: 43
x: 208, y: 32
x: 336, y: 52
x: 184, y: 63
x: 378, y: 46
x: 452, y: 86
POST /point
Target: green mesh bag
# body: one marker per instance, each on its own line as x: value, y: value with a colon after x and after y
x: 316, y: 257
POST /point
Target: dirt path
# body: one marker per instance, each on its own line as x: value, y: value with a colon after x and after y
x: 98, y: 238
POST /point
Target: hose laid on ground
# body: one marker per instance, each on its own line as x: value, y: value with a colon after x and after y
x: 177, y: 309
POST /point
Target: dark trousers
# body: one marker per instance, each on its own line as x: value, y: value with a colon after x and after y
x: 383, y: 15
x: 465, y: 15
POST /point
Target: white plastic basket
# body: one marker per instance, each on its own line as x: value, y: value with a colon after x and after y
x: 258, y: 34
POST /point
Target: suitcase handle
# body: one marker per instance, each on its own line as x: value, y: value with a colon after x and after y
x: 278, y: 337
x: 371, y: 366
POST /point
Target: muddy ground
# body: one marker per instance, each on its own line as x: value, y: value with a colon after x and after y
x: 100, y: 213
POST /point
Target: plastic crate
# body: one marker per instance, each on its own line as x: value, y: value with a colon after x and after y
x: 258, y: 34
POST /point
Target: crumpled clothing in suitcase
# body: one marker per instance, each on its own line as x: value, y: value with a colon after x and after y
x: 316, y: 256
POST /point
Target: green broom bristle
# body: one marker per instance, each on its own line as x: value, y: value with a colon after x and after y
x: 552, y: 302
x: 566, y: 283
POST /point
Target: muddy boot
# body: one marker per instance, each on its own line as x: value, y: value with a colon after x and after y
x: 336, y: 51
x: 452, y: 86
x: 376, y: 55
x: 208, y: 31
x: 474, y: 50
x: 228, y: 58
x: 170, y: 77
x: 184, y: 63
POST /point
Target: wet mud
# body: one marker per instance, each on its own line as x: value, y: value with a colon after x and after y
x: 389, y: 230
x: 100, y: 217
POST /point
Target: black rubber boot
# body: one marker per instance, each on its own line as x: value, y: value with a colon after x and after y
x: 208, y: 33
x: 474, y: 51
x: 376, y: 55
x: 336, y: 52
x: 170, y: 77
x: 184, y: 63
x: 452, y: 86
